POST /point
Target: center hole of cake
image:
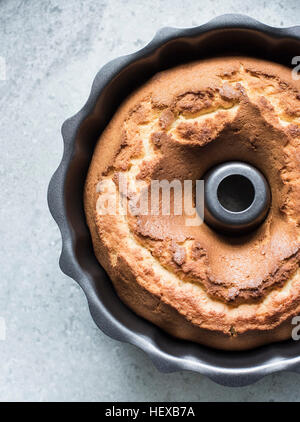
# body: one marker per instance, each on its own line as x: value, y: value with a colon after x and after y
x: 236, y: 193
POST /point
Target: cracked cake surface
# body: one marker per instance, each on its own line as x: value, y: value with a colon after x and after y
x: 226, y: 292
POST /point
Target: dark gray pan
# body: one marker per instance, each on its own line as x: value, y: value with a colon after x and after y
x: 228, y: 34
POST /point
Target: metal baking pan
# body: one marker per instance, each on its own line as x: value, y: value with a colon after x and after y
x: 227, y: 34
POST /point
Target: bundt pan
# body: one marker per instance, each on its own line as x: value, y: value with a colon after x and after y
x: 228, y: 34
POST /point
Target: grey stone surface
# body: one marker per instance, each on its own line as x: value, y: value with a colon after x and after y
x: 53, y: 351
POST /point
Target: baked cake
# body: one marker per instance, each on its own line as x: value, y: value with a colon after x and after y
x: 197, y: 284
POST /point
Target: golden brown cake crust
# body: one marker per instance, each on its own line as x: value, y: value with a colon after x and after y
x: 228, y: 293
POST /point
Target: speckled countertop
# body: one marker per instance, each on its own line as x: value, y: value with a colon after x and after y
x: 53, y: 350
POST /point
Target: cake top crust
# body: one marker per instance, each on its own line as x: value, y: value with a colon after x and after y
x: 181, y: 123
